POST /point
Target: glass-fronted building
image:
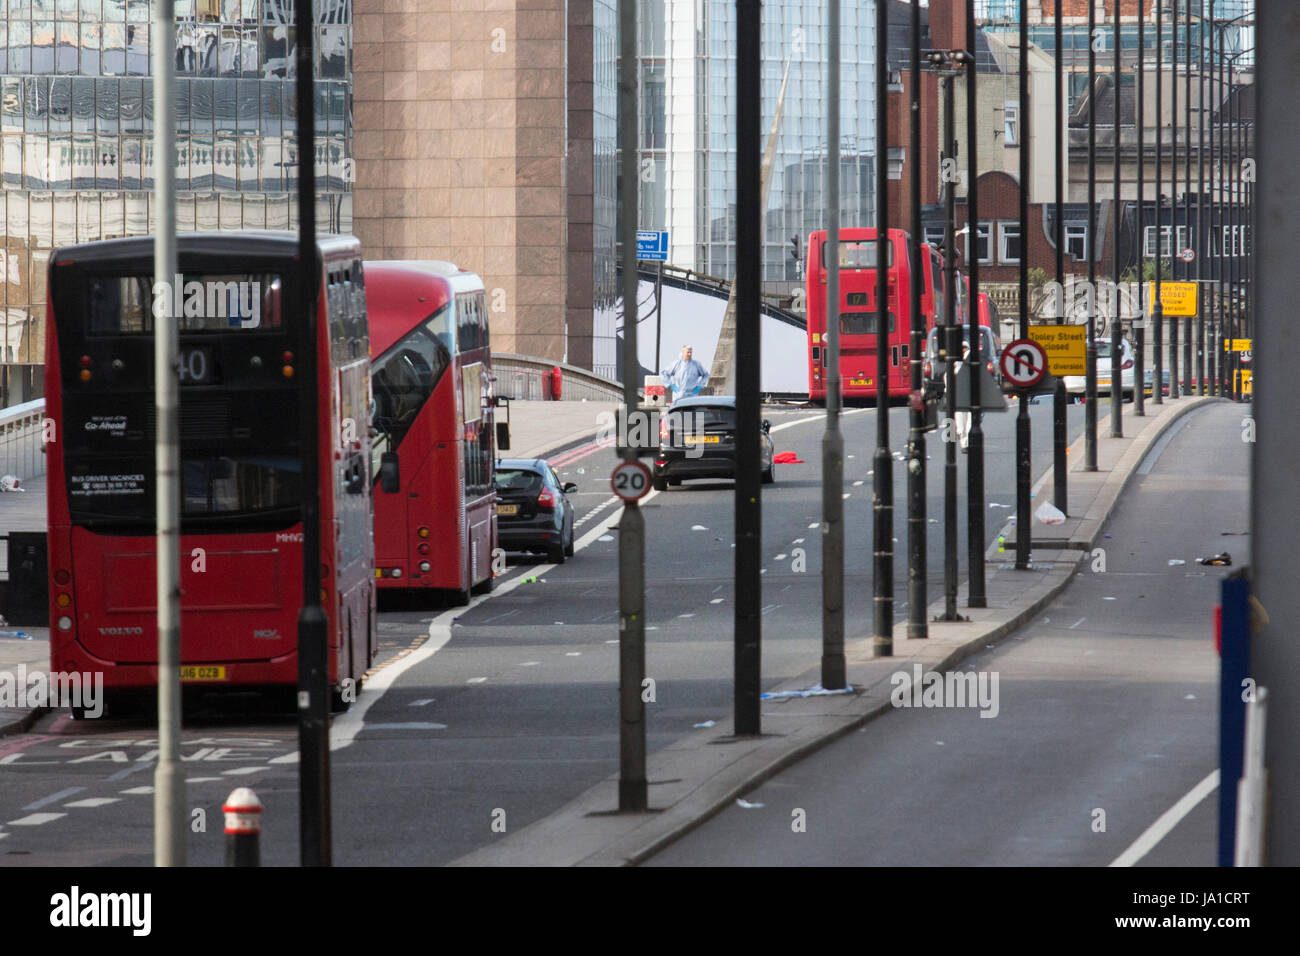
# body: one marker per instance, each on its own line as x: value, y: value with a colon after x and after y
x: 76, y: 126
x: 688, y: 126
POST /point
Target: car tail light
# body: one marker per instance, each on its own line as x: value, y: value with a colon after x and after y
x: 1128, y: 364
x: 929, y: 369
x: 989, y: 366
x: 663, y: 429
x: 546, y: 500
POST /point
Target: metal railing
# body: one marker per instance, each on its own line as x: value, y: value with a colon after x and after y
x: 21, y: 453
x: 526, y: 378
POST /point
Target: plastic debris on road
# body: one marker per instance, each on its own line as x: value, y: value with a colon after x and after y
x: 994, y: 504
x: 1048, y: 513
x: 746, y: 805
x: 1175, y: 562
x: 817, y: 690
x: 788, y: 458
x: 1221, y: 560
x: 698, y: 527
x: 707, y: 723
x: 606, y: 537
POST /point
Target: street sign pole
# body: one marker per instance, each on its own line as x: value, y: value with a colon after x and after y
x: 1116, y: 324
x: 1023, y: 445
x: 1139, y: 330
x: 1060, y: 438
x: 975, y: 544
x: 632, y: 788
x: 1090, y: 378
x: 834, y: 666
x: 883, y: 488
x: 1157, y: 313
x: 917, y: 626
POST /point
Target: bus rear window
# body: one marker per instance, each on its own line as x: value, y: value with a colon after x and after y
x: 861, y: 323
x: 127, y: 305
x: 862, y: 254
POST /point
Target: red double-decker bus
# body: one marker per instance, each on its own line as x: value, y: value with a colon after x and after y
x: 857, y: 255
x: 241, y: 527
x: 433, y: 428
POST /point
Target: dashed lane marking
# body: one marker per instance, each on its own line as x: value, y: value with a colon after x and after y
x: 53, y: 798
x: 141, y: 791
x: 92, y: 802
x: 35, y: 819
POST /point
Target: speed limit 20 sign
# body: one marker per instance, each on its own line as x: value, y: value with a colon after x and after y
x: 630, y: 480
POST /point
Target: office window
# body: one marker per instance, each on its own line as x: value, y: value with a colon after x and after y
x: 1009, y: 242
x: 1076, y: 240
x: 982, y: 243
x: 1011, y: 123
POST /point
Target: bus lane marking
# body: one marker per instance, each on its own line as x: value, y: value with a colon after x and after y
x: 53, y: 798
x: 35, y: 819
x: 91, y: 802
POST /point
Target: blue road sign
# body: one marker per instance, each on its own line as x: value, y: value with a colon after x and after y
x: 652, y: 245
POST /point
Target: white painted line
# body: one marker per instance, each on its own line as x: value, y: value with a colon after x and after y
x: 92, y: 802
x: 35, y: 819
x: 857, y: 483
x: 529, y: 663
x: 1077, y: 623
x: 143, y: 790
x: 1168, y: 820
x: 573, y: 653
x: 815, y: 524
x: 210, y: 779
x: 243, y: 771
x: 685, y: 615
x: 408, y: 725
x: 476, y: 680
x: 422, y: 702
x: 3, y: 835
x: 53, y: 798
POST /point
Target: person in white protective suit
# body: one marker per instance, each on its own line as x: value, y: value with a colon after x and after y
x: 685, y: 376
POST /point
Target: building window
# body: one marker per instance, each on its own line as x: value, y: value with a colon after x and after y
x: 1009, y: 243
x: 1011, y: 123
x: 934, y: 235
x: 981, y: 243
x: 1076, y: 240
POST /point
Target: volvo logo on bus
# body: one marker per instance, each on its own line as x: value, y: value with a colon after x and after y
x: 121, y: 631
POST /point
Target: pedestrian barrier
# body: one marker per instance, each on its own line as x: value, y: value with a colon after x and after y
x: 21, y: 452
x: 525, y: 378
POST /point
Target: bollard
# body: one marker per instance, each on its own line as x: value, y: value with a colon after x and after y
x: 243, y: 828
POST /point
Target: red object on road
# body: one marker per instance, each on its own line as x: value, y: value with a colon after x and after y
x: 788, y: 458
x: 556, y: 383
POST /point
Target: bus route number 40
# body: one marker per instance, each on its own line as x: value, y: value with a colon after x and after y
x: 630, y: 480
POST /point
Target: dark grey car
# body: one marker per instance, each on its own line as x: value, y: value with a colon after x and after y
x: 697, y: 439
x: 533, y: 509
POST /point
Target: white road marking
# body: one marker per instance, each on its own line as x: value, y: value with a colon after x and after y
x: 35, y: 819
x: 143, y: 790
x: 857, y: 483
x: 242, y: 771
x: 92, y: 802
x: 529, y: 663
x: 408, y: 725
x: 53, y: 798
x: 720, y: 600
x: 573, y: 653
x: 210, y: 779
x: 781, y: 557
x: 1168, y: 820
x: 476, y: 680
x: 846, y: 494
x: 1077, y: 623
x: 685, y: 615
x: 422, y: 702
x: 815, y: 524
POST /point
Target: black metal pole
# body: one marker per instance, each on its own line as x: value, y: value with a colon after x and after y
x: 917, y: 626
x: 1157, y: 306
x: 313, y: 638
x: 1189, y: 355
x: 975, y: 445
x: 1209, y: 116
x: 1175, y: 382
x: 1060, y: 438
x: 883, y: 490
x: 1090, y: 372
x: 1117, y: 323
x: 949, y: 375
x: 749, y: 262
x: 1024, y: 520
x: 1202, y: 246
x: 1139, y: 326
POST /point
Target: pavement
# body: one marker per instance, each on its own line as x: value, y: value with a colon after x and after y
x: 694, y: 778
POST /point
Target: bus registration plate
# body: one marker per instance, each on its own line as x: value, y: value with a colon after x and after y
x: 507, y: 509
x: 204, y: 672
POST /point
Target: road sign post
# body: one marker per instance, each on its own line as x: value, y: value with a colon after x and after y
x: 1023, y: 363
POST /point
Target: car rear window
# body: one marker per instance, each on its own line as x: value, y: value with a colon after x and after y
x: 702, y: 416
x: 518, y: 479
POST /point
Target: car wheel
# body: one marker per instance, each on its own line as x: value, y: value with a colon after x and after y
x: 659, y: 483
x: 568, y: 548
x: 556, y: 552
x: 769, y: 474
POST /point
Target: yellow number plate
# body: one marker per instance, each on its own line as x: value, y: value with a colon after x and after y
x: 701, y: 439
x: 203, y: 672
x: 507, y: 509
x: 859, y: 381
x: 1103, y: 381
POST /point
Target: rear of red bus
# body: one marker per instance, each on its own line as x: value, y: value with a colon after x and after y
x: 241, y: 527
x: 433, y: 428
x: 857, y: 255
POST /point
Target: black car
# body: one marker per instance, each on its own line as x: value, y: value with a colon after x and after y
x: 697, y: 439
x: 533, y: 509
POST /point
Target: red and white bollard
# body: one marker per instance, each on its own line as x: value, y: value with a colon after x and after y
x: 243, y: 828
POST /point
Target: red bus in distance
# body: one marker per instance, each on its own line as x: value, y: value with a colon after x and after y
x: 433, y: 428
x: 857, y: 255
x: 241, y: 526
